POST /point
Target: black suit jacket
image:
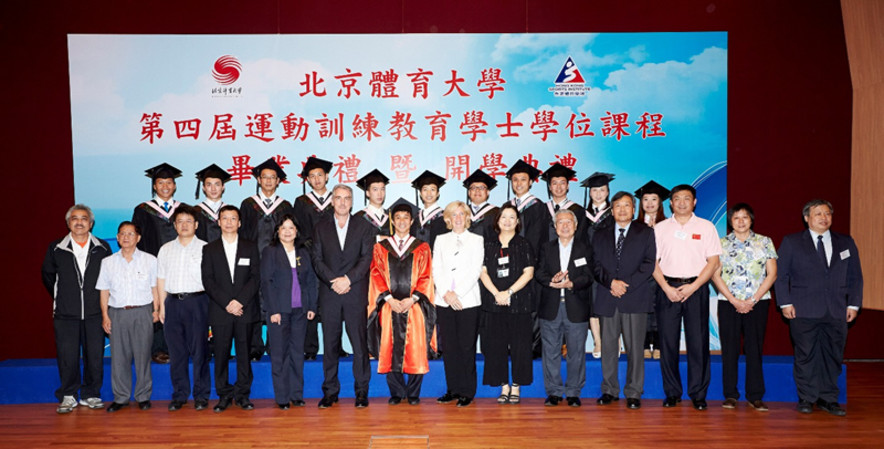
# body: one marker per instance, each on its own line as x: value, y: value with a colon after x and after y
x: 804, y: 281
x: 221, y: 289
x: 637, y: 261
x: 354, y: 261
x: 578, y: 298
x: 276, y: 280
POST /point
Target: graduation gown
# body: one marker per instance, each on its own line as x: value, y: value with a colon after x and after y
x: 482, y: 222
x: 595, y: 222
x: 259, y: 222
x: 427, y: 227
x: 379, y: 228
x: 308, y: 211
x: 534, y: 219
x: 156, y: 225
x: 582, y: 222
x: 402, y: 342
x: 208, y: 229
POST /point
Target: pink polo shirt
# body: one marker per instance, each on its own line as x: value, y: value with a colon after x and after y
x: 682, y: 250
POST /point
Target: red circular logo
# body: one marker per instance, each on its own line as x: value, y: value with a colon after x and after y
x: 227, y: 69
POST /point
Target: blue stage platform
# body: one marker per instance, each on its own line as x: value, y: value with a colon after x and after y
x: 35, y: 380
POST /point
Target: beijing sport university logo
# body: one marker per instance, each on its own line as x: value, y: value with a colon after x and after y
x: 226, y: 70
x: 570, y: 82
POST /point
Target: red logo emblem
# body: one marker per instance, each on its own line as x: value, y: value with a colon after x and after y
x: 227, y: 70
x: 696, y: 236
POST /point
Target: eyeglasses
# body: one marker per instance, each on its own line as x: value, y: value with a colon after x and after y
x: 478, y: 188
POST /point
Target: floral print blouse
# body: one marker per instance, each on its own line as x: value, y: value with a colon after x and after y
x: 743, y: 264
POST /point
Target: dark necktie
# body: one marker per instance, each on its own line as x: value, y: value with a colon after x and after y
x: 268, y: 202
x: 556, y: 208
x: 619, y: 248
x: 401, y: 244
x: 821, y: 249
x: 518, y: 202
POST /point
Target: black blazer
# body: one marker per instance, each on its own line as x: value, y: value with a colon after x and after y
x: 354, y: 261
x: 804, y: 281
x: 637, y: 261
x: 221, y: 289
x: 276, y: 280
x: 577, y: 299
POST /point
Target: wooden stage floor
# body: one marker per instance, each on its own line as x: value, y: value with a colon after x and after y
x: 482, y: 425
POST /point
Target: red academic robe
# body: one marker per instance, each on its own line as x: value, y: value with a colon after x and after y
x: 402, y: 342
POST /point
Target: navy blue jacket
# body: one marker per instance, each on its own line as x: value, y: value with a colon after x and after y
x: 276, y: 280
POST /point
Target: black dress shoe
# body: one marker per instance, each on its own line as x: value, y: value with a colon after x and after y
x: 671, y: 401
x: 832, y: 407
x: 310, y: 356
x: 283, y: 406
x: 255, y: 356
x: 606, y: 399
x: 343, y: 354
x: 573, y: 401
x: 160, y: 357
x: 200, y: 404
x: 552, y: 401
x: 633, y: 403
x: 394, y: 400
x: 116, y: 406
x: 327, y: 401
x: 446, y: 398
x: 245, y: 404
x: 361, y: 401
x: 144, y: 405
x: 223, y: 403
x: 463, y: 401
x: 414, y: 401
x: 175, y: 405
x: 700, y: 404
x: 805, y: 406
x: 298, y: 403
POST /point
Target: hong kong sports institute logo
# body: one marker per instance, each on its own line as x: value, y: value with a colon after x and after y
x: 226, y: 70
x: 570, y: 82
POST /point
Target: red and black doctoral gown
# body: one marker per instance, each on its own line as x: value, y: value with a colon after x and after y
x: 402, y: 342
x: 155, y: 224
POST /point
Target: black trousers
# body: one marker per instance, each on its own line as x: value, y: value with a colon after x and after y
x: 458, y: 332
x: 70, y: 337
x: 508, y: 334
x: 695, y: 313
x: 311, y: 342
x: 286, y: 344
x: 187, y: 333
x: 751, y: 327
x: 224, y: 336
x: 401, y: 389
x: 336, y: 314
x: 819, y: 352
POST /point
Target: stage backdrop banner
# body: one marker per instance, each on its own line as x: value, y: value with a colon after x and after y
x: 639, y: 105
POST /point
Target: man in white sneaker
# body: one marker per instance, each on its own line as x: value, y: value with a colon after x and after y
x: 70, y: 270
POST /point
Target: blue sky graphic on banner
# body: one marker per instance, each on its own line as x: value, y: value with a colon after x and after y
x: 640, y: 105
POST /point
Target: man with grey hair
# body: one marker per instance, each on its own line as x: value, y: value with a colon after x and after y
x: 565, y: 275
x: 624, y: 256
x: 341, y: 254
x: 819, y: 289
x: 70, y: 271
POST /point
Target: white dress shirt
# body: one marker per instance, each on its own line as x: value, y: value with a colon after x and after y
x: 180, y: 266
x: 342, y: 231
x: 129, y: 283
x: 230, y: 253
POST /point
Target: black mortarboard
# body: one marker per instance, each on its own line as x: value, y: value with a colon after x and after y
x: 212, y: 171
x: 523, y: 167
x: 269, y: 164
x: 400, y: 205
x: 558, y: 170
x: 371, y: 178
x: 596, y: 179
x: 163, y: 170
x: 479, y: 176
x: 427, y: 177
x: 652, y: 187
x: 313, y: 162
